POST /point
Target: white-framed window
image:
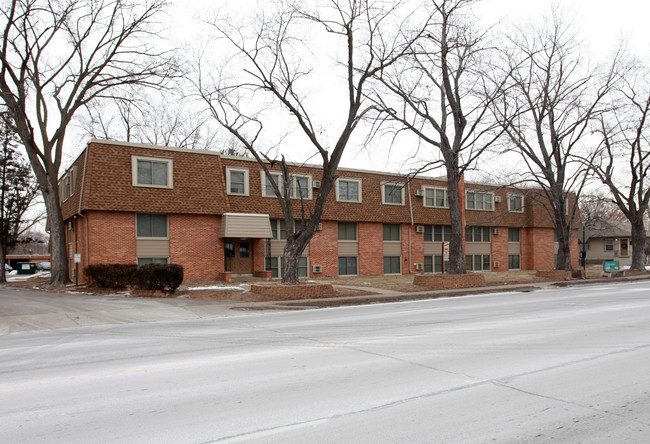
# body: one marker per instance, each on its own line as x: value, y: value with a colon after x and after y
x: 300, y: 185
x: 392, y: 194
x: 435, y: 197
x: 609, y: 244
x: 348, y: 190
x: 514, y: 235
x: 67, y: 184
x: 391, y: 232
x: 155, y: 172
x: 267, y: 188
x: 392, y: 264
x: 515, y: 203
x: 348, y: 266
x: 237, y: 182
x: 479, y: 200
x: 152, y: 225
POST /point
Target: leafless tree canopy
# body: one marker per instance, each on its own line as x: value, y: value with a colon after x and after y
x: 442, y: 93
x: 58, y: 56
x: 551, y: 101
x: 280, y: 63
x: 622, y: 158
x: 163, y: 119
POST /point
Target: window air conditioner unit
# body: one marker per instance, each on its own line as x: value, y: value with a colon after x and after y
x: 419, y: 267
x: 319, y: 227
x: 419, y: 228
x: 419, y: 193
x: 315, y: 184
x: 317, y: 268
x: 497, y: 199
x: 496, y: 230
x: 496, y: 264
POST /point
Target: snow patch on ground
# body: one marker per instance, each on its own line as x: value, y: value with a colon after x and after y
x: 14, y: 276
x: 213, y: 287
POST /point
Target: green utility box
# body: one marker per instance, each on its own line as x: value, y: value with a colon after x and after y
x: 26, y: 268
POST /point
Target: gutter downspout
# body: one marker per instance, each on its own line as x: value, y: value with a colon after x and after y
x: 81, y: 196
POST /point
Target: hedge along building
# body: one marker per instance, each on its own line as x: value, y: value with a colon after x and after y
x: 215, y: 214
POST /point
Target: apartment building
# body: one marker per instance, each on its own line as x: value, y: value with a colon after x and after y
x: 216, y: 214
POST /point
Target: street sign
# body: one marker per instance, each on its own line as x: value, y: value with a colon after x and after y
x: 609, y: 266
x: 445, y: 251
x: 77, y: 258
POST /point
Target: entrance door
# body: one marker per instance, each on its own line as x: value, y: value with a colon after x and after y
x: 239, y: 256
x: 624, y: 248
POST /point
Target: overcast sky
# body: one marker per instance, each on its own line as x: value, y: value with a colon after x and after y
x: 602, y: 24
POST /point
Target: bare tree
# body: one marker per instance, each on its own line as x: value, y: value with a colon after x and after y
x: 551, y: 101
x: 164, y: 119
x: 443, y: 93
x: 17, y: 190
x: 598, y: 210
x: 274, y: 55
x: 622, y: 162
x: 56, y: 58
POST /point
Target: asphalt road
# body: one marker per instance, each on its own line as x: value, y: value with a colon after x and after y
x: 562, y: 365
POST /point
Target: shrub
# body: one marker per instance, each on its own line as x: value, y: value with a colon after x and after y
x: 111, y: 275
x: 159, y: 277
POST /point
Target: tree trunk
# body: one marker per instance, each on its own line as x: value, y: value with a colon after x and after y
x: 3, y: 261
x: 638, y: 244
x: 456, y: 253
x: 59, y: 273
x: 291, y: 257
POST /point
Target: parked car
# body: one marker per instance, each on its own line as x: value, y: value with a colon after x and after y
x: 8, y: 268
x: 44, y: 266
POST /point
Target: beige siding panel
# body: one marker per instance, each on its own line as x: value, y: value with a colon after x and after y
x: 597, y: 251
x: 433, y: 248
x: 478, y: 248
x: 514, y: 248
x: 348, y: 248
x: 392, y: 248
x: 277, y: 248
x: 152, y: 248
x: 254, y: 226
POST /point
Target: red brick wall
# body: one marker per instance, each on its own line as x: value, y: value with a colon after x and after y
x: 417, y: 250
x: 112, y: 237
x: 80, y: 245
x: 323, y: 250
x: 500, y: 249
x: 537, y: 248
x: 259, y: 254
x: 449, y: 281
x: 407, y: 263
x: 371, y: 249
x: 194, y: 244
